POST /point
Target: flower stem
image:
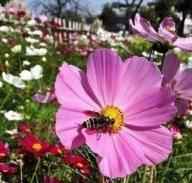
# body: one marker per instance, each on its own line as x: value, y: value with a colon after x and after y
x: 21, y: 172
x: 35, y: 172
x: 126, y: 180
x: 151, y: 174
x: 151, y: 53
x: 5, y: 99
x: 162, y: 61
x: 144, y: 175
x: 164, y: 173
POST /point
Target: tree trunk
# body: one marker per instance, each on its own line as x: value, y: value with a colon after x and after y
x: 59, y: 11
x: 137, y: 8
x: 182, y: 23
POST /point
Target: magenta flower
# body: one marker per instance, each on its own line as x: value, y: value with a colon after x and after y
x: 179, y: 81
x: 6, y: 168
x: 166, y: 33
x: 129, y: 92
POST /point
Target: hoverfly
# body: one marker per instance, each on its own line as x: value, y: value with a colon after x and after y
x: 98, y: 123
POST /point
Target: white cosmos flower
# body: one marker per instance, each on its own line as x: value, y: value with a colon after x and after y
x: 31, y: 40
x: 44, y: 59
x: 31, y: 22
x: 30, y: 51
x: 4, y: 40
x: 188, y: 124
x: 13, y: 116
x: 12, y: 132
x: 37, y: 71
x: 43, y: 44
x: 13, y: 80
x: 26, y: 75
x: 26, y: 62
x: 190, y: 59
x: 4, y: 28
x: 16, y: 48
x: 103, y: 35
x: 36, y: 33
x: 1, y: 84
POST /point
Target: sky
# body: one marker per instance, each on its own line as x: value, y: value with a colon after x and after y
x: 95, y: 5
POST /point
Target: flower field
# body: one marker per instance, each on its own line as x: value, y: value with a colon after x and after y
x: 97, y: 108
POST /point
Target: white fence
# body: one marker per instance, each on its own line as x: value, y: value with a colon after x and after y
x: 61, y: 33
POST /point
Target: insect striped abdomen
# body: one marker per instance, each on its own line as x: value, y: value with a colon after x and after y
x: 97, y: 123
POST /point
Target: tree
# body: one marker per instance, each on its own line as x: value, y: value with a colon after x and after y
x: 131, y: 7
x: 163, y: 8
x: 3, y: 2
x: 109, y: 17
x: 185, y: 8
x: 70, y: 9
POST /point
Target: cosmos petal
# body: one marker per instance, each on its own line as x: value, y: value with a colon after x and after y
x: 103, y: 71
x: 68, y: 126
x: 152, y: 109
x: 138, y: 77
x: 184, y: 43
x: 170, y: 67
x: 183, y: 86
x: 167, y: 30
x: 143, y: 27
x: 123, y: 157
x: 155, y: 143
x: 182, y: 106
x: 71, y: 85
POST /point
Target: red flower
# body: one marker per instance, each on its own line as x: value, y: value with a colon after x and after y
x: 78, y: 162
x: 12, y: 42
x: 53, y: 24
x: 24, y: 128
x: 20, y: 14
x: 51, y: 180
x: 31, y: 144
x: 5, y: 168
x: 56, y: 149
x: 4, y: 150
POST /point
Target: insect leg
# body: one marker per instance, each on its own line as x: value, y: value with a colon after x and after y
x: 99, y: 134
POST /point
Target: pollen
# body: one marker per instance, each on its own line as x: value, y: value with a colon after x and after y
x: 114, y: 113
x: 37, y: 147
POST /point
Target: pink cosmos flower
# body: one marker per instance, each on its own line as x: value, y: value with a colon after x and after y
x: 129, y: 92
x: 166, y: 33
x: 45, y: 97
x: 179, y: 81
x: 175, y: 132
x: 2, y: 9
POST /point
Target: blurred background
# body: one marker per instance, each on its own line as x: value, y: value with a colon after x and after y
x: 112, y: 15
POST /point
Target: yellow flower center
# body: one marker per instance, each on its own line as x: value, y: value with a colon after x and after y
x: 113, y: 113
x: 37, y: 147
x: 80, y: 165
